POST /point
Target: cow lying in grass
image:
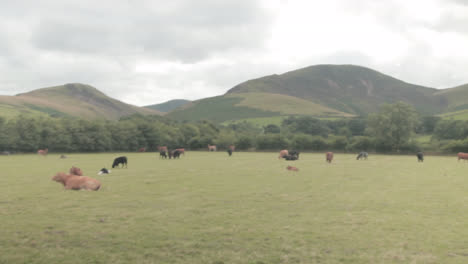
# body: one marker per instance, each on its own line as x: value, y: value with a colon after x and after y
x: 76, y: 171
x: 104, y: 171
x: 291, y: 168
x: 74, y: 182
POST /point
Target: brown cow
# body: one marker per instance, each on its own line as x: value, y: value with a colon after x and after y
x: 76, y: 171
x: 291, y: 168
x: 283, y: 153
x: 164, y: 148
x: 43, y: 152
x: 329, y: 156
x: 211, y: 147
x: 73, y: 182
x: 142, y: 150
x: 463, y: 156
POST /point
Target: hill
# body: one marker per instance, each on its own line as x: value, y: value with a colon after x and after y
x: 320, y: 91
x: 78, y: 100
x: 347, y: 88
x: 169, y: 105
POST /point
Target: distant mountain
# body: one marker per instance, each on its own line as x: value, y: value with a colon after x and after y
x: 320, y: 91
x: 169, y: 105
x: 78, y: 100
x: 348, y: 88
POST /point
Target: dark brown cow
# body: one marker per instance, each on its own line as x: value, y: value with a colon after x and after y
x: 329, y: 156
x: 74, y: 182
x: 43, y: 152
x: 463, y: 156
x: 283, y: 153
x: 211, y: 147
x: 76, y: 171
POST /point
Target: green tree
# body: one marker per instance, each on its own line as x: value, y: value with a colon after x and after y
x: 393, y: 125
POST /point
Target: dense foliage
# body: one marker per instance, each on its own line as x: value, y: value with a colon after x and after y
x: 394, y: 128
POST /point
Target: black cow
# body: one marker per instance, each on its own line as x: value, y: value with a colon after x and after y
x: 120, y: 160
x: 294, y: 153
x: 291, y: 157
x: 176, y: 154
x: 162, y: 154
x: 229, y: 151
x: 362, y: 155
x: 420, y: 156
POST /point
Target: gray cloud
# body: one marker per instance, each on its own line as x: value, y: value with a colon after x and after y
x: 212, y: 45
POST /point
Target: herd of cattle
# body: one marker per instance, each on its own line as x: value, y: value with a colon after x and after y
x: 74, y: 180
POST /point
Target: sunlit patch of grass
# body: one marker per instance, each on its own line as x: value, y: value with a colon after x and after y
x: 211, y: 208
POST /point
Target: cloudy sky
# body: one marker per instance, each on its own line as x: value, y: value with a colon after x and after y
x: 145, y: 52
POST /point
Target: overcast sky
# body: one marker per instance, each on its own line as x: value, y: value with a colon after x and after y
x: 146, y: 52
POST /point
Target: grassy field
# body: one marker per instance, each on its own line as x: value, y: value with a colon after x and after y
x: 211, y: 208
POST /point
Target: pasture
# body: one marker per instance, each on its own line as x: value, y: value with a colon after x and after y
x: 211, y: 208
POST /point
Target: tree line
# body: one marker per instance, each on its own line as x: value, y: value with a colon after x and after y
x: 395, y: 128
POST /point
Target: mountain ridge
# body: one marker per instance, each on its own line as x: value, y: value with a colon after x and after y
x: 72, y: 99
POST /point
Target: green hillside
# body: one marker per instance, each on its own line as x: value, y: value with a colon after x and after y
x: 77, y: 100
x: 218, y: 109
x: 251, y: 105
x: 347, y: 88
x: 323, y: 91
x: 169, y: 105
x: 456, y: 98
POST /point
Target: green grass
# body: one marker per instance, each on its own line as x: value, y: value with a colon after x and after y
x: 218, y: 109
x: 209, y: 208
x: 261, y: 121
x: 456, y: 115
x: 286, y: 105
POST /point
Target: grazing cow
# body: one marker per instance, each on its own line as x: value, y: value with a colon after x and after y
x: 291, y: 168
x: 76, y: 171
x: 142, y: 150
x: 291, y: 157
x: 120, y: 160
x: 329, y: 156
x: 294, y: 153
x: 463, y: 156
x: 283, y: 153
x: 162, y: 154
x: 43, y: 152
x: 63, y: 156
x: 74, y: 182
x: 164, y: 148
x: 362, y: 155
x: 229, y: 151
x: 176, y: 154
x: 104, y: 171
x: 181, y: 150
x: 211, y: 147
x: 420, y: 156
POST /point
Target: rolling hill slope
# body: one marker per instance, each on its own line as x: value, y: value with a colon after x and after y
x: 169, y: 105
x: 347, y: 88
x: 78, y: 100
x: 321, y: 91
